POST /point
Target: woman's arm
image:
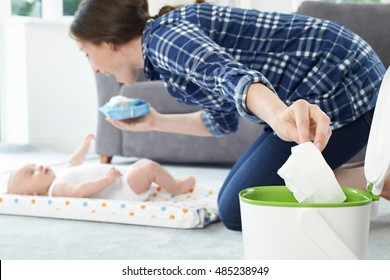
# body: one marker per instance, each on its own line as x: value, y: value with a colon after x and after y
x: 206, y: 64
x: 190, y: 123
x: 301, y: 122
x: 87, y: 189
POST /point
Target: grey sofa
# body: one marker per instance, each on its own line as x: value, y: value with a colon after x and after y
x: 369, y: 21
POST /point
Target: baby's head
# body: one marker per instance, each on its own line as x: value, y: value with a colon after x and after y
x: 30, y: 179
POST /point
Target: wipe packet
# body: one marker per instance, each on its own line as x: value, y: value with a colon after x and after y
x: 121, y: 108
x: 308, y: 176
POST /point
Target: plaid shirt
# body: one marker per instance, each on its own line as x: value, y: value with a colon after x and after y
x: 208, y: 56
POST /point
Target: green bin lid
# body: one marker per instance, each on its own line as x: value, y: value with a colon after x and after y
x: 281, y: 196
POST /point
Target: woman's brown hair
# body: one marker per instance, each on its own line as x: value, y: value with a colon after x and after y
x: 113, y: 21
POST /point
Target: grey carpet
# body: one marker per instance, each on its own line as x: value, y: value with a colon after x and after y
x: 39, y: 238
x: 53, y: 239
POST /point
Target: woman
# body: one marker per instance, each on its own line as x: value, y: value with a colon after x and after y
x: 304, y: 78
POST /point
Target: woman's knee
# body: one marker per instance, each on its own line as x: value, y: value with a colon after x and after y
x: 229, y: 215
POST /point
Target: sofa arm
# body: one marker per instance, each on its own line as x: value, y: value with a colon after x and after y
x: 108, y: 138
x: 177, y: 148
x: 107, y: 87
x: 111, y: 141
x: 166, y: 147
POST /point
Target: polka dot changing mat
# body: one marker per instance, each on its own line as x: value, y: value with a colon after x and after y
x: 192, y: 210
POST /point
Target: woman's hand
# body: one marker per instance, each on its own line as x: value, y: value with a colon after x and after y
x: 302, y: 122
x: 145, y: 123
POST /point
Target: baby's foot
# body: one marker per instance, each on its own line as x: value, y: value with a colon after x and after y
x: 186, y: 185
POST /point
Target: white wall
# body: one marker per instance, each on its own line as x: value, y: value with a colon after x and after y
x: 49, y: 92
x: 47, y: 86
x: 5, y: 11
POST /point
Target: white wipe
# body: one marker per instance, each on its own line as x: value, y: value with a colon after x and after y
x: 308, y: 176
x: 121, y: 101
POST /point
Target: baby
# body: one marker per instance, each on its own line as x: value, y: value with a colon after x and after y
x: 96, y: 180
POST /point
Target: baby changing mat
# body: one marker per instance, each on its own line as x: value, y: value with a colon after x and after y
x: 192, y: 210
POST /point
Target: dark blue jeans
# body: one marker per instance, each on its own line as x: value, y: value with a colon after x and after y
x: 260, y: 162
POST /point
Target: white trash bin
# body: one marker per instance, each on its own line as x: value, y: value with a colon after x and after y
x: 276, y: 226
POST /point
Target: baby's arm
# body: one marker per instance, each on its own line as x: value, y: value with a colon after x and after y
x: 87, y: 189
x: 78, y: 156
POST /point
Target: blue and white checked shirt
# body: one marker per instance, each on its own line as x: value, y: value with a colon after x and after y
x: 208, y: 55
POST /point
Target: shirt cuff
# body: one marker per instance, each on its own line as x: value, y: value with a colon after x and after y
x: 242, y: 90
x: 211, y: 125
x: 215, y: 128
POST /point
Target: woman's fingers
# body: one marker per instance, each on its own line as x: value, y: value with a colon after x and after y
x: 124, y: 124
x: 312, y: 124
x: 137, y: 124
x: 322, y: 131
x: 301, y: 115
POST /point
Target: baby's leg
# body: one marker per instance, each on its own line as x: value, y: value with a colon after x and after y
x: 145, y: 172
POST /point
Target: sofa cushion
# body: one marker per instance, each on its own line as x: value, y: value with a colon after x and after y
x: 369, y: 21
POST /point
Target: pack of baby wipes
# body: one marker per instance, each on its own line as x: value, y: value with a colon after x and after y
x: 121, y: 108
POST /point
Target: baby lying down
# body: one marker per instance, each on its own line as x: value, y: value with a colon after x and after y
x: 98, y: 180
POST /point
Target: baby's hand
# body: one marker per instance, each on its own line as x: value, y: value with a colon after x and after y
x: 88, y: 139
x: 112, y: 174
